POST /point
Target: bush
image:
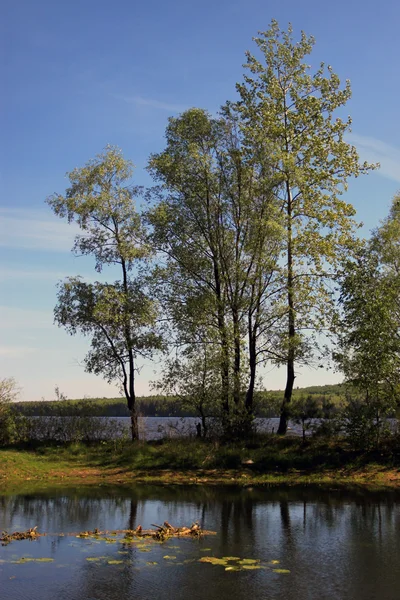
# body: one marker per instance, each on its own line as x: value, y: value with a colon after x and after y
x: 365, y: 422
x: 74, y: 429
x: 8, y: 422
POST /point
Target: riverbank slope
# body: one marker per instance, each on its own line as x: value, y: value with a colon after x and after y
x: 270, y: 461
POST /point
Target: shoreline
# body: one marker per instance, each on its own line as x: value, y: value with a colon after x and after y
x: 185, y: 463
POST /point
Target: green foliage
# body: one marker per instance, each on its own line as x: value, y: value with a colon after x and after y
x: 369, y: 324
x: 149, y: 406
x: 104, y: 312
x: 193, y: 378
x: 78, y: 428
x: 100, y: 201
x: 9, y: 431
x: 215, y: 227
x: 304, y: 410
x: 365, y: 422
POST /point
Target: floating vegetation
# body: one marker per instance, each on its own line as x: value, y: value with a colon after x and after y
x: 241, y: 564
x: 281, y: 570
x: 23, y: 560
x: 115, y: 562
x: 160, y: 533
x: 29, y: 534
x: 168, y: 557
x: 214, y: 560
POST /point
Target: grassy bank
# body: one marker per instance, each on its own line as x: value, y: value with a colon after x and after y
x: 268, y: 461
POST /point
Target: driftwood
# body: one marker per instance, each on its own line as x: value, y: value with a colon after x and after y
x: 30, y: 534
x: 160, y: 532
x: 168, y: 530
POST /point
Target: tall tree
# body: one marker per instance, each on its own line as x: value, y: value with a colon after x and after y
x: 214, y: 225
x: 119, y: 317
x: 286, y: 116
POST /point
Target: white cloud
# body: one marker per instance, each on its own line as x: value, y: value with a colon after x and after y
x: 139, y: 100
x: 374, y: 150
x: 33, y: 230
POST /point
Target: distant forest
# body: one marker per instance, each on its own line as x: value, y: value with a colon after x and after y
x: 267, y: 404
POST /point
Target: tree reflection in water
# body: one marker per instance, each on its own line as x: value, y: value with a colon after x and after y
x: 336, y: 544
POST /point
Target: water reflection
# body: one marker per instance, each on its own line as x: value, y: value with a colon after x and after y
x: 336, y: 545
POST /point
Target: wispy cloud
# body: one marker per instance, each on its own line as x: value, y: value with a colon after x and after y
x: 374, y: 150
x: 21, y: 229
x: 151, y: 103
x: 9, y: 274
x: 15, y: 351
x: 18, y: 274
x: 25, y: 319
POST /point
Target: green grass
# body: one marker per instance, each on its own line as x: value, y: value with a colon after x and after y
x: 273, y: 460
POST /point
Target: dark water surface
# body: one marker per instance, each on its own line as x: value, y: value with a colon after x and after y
x: 336, y: 545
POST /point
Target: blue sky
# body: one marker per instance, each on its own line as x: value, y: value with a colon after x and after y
x: 81, y: 74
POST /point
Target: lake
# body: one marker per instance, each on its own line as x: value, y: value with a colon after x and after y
x: 306, y: 544
x: 150, y: 428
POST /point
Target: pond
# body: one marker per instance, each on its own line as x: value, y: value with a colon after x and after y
x: 292, y: 544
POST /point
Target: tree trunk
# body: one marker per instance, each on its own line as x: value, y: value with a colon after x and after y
x: 132, y: 398
x: 284, y: 418
x: 236, y: 365
x: 134, y: 424
x: 253, y: 369
x: 283, y: 423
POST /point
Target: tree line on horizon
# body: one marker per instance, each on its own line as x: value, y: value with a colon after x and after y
x: 246, y: 253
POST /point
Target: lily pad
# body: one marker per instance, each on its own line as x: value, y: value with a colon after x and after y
x: 232, y: 568
x: 251, y: 567
x: 249, y: 561
x: 168, y: 557
x: 24, y: 560
x: 214, y: 561
x: 281, y: 570
x: 115, y: 562
x: 231, y: 558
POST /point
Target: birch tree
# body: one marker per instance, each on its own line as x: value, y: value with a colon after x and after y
x: 119, y: 317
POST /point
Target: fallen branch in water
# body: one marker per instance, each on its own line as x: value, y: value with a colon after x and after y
x: 29, y: 534
x: 161, y: 532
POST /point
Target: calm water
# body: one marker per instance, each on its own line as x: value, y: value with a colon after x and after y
x: 336, y: 545
x: 153, y: 428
